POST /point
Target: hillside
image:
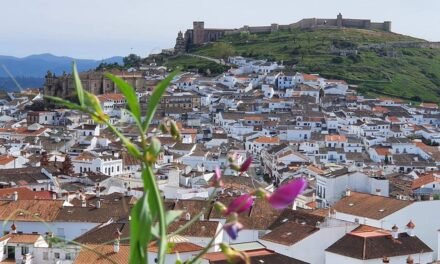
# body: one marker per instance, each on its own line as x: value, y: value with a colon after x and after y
x: 378, y: 69
x: 30, y: 71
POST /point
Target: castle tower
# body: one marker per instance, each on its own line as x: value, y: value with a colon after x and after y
x: 339, y: 20
x: 387, y: 26
x: 180, y: 46
x: 198, y: 32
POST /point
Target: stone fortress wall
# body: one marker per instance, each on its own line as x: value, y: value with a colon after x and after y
x: 313, y: 23
x: 199, y: 35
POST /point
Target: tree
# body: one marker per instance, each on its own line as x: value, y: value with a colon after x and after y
x: 108, y: 66
x: 223, y: 50
x: 132, y: 60
x: 44, y: 160
x: 67, y: 166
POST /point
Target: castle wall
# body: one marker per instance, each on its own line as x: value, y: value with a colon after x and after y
x: 264, y: 29
x: 381, y: 26
x: 356, y: 23
x: 199, y: 35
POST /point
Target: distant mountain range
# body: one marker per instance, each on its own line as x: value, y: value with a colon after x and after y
x: 30, y: 71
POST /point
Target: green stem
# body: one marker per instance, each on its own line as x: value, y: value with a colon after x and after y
x: 205, y: 249
x: 154, y: 189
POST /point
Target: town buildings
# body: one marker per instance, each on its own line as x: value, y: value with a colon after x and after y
x: 372, y: 164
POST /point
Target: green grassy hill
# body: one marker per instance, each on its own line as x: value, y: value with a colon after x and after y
x: 408, y: 73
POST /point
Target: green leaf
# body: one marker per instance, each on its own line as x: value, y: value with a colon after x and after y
x: 170, y: 216
x: 138, y: 122
x: 140, y: 225
x: 154, y: 100
x: 78, y: 84
x: 65, y: 103
x: 129, y: 93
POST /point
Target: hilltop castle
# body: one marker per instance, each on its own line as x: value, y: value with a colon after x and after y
x: 199, y: 35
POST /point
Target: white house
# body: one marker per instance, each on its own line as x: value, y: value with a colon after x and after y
x: 383, y: 212
x: 91, y: 161
x: 369, y: 245
x: 332, y: 186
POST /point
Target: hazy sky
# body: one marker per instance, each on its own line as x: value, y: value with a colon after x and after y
x: 104, y: 28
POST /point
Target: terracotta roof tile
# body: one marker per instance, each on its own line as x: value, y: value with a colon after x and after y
x: 267, y: 140
x: 30, y: 210
x: 177, y: 247
x: 290, y: 233
x: 375, y: 246
x: 24, y: 238
x: 103, y: 254
x: 367, y: 205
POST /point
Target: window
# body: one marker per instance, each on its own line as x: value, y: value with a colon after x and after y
x: 68, y: 256
x: 24, y: 250
x: 57, y: 255
x: 45, y: 255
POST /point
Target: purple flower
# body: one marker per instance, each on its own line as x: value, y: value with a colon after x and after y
x: 232, y: 229
x: 240, y: 204
x: 217, y: 177
x: 246, y: 164
x: 286, y: 194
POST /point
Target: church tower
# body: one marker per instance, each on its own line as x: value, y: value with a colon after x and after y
x: 180, y: 46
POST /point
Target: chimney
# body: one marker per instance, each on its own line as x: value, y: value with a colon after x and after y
x: 98, y: 190
x: 318, y: 224
x: 15, y: 196
x: 117, y: 239
x: 409, y: 260
x: 347, y: 192
x: 54, y: 196
x: 202, y: 216
x: 395, y: 232
x: 410, y: 226
x: 13, y: 228
x: 98, y: 204
x: 187, y: 216
x: 378, y: 191
x: 332, y: 212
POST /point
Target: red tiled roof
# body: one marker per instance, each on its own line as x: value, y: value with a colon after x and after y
x: 5, y: 159
x: 25, y: 194
x: 423, y: 180
x: 103, y: 254
x: 111, y: 97
x: 268, y: 140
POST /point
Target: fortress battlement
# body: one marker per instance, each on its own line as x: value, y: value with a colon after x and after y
x: 199, y: 35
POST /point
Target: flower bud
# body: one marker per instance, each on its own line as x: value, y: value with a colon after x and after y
x: 233, y: 256
x: 219, y: 207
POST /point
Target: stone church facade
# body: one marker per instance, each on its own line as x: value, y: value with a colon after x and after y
x: 92, y: 81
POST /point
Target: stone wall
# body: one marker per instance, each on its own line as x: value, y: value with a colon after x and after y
x: 199, y: 34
